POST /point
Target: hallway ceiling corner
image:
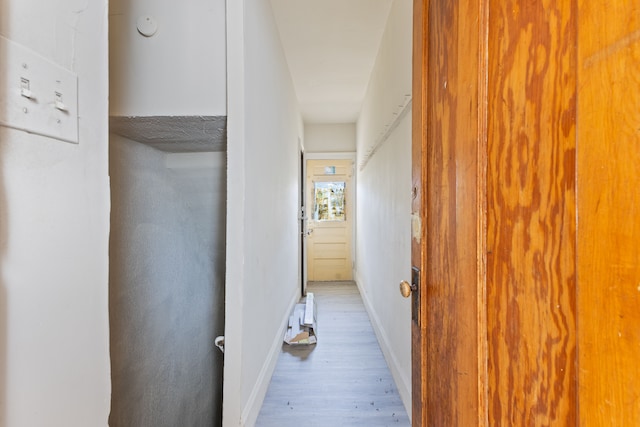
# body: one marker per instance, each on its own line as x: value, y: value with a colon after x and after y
x: 331, y: 48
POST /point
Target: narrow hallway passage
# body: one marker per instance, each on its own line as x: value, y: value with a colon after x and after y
x: 343, y: 380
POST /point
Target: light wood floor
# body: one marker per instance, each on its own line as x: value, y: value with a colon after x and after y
x: 343, y: 380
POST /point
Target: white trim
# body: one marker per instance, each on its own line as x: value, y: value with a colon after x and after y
x: 403, y: 384
x: 235, y: 277
x: 252, y: 409
x: 351, y: 155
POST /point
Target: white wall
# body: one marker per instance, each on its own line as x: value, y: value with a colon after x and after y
x: 264, y: 126
x: 390, y: 84
x: 383, y: 244
x: 181, y: 70
x: 330, y: 138
x: 54, y: 227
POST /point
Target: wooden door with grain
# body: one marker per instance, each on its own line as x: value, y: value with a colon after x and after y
x: 526, y: 168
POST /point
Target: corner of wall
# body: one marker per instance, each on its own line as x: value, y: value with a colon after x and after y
x: 402, y: 383
x: 254, y: 404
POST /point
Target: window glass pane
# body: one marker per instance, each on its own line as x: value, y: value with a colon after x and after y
x: 329, y: 202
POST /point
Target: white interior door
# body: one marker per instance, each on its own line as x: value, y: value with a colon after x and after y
x: 329, y: 219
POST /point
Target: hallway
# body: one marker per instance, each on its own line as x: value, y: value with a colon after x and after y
x: 343, y: 380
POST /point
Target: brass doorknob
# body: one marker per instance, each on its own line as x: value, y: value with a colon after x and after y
x: 406, y: 288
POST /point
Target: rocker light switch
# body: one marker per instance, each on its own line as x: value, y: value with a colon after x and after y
x: 36, y: 95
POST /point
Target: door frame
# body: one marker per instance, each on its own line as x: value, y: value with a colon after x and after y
x: 350, y: 155
x: 302, y: 250
x: 418, y: 212
x: 434, y: 351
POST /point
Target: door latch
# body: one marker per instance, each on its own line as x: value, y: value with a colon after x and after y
x: 415, y: 294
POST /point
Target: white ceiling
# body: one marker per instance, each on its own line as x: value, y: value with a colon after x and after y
x: 331, y: 47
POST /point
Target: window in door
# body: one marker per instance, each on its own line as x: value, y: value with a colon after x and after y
x: 329, y: 201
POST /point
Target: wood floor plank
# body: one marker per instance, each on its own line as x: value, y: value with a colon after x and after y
x: 343, y: 380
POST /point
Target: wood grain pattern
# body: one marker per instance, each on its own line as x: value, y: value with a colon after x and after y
x: 562, y: 201
x: 609, y: 213
x: 343, y: 380
x: 452, y: 215
x: 531, y: 237
x: 481, y: 220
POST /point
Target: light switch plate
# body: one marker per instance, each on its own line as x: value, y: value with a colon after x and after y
x: 36, y: 95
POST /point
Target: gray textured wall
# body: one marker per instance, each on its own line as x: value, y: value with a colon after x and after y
x: 166, y: 296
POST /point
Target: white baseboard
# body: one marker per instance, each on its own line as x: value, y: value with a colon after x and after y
x: 403, y: 384
x: 254, y: 403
